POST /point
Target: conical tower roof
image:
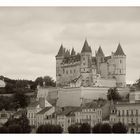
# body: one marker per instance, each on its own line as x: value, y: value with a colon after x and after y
x: 100, y: 52
x: 73, y: 51
x: 61, y: 51
x: 86, y: 47
x: 119, y: 50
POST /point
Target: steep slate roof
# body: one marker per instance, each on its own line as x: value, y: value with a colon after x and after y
x: 68, y: 111
x: 34, y: 104
x: 100, y: 52
x: 61, y: 51
x: 73, y: 51
x: 119, y: 51
x: 44, y: 110
x: 86, y: 47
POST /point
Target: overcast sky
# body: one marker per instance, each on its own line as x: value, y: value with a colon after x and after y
x: 30, y: 37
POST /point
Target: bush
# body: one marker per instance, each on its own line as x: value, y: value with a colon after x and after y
x: 106, y: 128
x: 119, y: 128
x: 74, y: 128
x: 48, y: 128
x: 85, y: 128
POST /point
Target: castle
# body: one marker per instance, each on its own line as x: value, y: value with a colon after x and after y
x: 82, y: 69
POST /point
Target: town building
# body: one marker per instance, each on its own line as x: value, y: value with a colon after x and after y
x: 128, y: 114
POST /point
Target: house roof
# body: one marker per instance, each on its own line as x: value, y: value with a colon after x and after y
x: 94, y: 104
x: 119, y: 50
x: 44, y: 110
x: 86, y: 47
x: 34, y: 104
x: 68, y: 111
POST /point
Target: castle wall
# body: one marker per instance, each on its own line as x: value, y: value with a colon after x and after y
x: 104, y: 70
x: 69, y: 97
x: 107, y: 82
x: 70, y: 72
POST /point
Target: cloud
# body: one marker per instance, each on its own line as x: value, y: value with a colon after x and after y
x: 31, y: 36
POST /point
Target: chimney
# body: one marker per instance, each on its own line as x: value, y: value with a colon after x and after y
x: 42, y: 102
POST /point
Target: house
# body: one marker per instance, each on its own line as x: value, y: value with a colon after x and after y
x: 127, y: 113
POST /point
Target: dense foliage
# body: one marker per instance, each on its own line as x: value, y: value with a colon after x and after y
x: 79, y: 128
x: 49, y: 128
x: 17, y: 100
x: 13, y: 125
x: 119, y: 128
x: 47, y: 80
x: 113, y: 95
x: 104, y: 128
x: 25, y: 85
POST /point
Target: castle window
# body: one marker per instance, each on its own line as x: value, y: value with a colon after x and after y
x: 67, y: 72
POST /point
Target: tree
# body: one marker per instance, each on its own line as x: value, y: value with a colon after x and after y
x: 20, y: 125
x: 74, y: 128
x: 49, y: 128
x: 47, y: 80
x: 113, y: 95
x: 119, y: 128
x: 97, y: 128
x: 20, y: 100
x: 85, y: 128
x: 39, y: 81
x: 106, y: 128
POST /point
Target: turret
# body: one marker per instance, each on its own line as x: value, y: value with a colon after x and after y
x: 59, y: 59
x: 99, y: 58
x: 86, y: 59
x: 120, y: 66
x: 73, y: 52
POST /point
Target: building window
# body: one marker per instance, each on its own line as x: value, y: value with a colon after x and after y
x: 74, y: 70
x: 122, y: 112
x: 83, y: 58
x: 127, y: 113
x: 70, y: 71
x: 67, y: 72
x: 132, y: 112
x: 120, y: 71
x: 120, y: 61
x: 84, y: 64
x: 136, y: 112
x: 63, y: 70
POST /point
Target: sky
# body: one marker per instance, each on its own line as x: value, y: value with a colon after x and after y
x: 30, y: 37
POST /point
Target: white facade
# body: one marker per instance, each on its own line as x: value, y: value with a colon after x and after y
x: 127, y: 113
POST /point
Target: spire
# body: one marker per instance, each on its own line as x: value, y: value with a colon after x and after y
x: 86, y: 47
x: 73, y: 51
x: 100, y: 52
x: 119, y: 50
x: 61, y: 51
x: 67, y: 53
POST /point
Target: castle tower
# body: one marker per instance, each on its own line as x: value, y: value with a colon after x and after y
x: 99, y: 58
x: 59, y: 58
x: 86, y: 68
x: 73, y: 52
x: 120, y: 66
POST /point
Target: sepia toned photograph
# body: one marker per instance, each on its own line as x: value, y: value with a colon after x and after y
x: 70, y: 70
